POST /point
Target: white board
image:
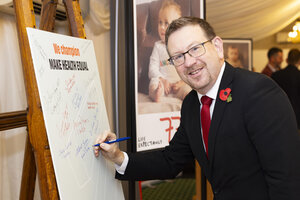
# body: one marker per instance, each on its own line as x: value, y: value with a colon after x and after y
x: 74, y: 113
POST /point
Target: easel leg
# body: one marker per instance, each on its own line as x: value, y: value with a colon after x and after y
x: 209, y: 191
x: 203, y: 187
x: 198, y: 181
x: 28, y: 174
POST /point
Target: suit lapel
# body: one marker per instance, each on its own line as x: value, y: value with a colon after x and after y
x: 226, y: 82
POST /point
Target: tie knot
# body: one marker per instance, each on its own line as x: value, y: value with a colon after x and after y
x: 205, y: 100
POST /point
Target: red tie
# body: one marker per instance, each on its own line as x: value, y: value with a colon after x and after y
x: 205, y: 119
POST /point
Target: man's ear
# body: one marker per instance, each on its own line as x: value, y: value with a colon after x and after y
x: 218, y: 44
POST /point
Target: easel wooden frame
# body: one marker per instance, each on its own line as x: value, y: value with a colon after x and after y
x: 37, y: 156
x: 203, y: 187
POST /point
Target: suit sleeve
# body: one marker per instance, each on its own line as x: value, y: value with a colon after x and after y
x: 160, y: 164
x: 272, y: 128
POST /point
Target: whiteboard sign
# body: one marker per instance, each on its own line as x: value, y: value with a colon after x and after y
x: 74, y: 112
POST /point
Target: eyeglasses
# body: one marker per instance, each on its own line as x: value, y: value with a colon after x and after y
x: 195, y: 51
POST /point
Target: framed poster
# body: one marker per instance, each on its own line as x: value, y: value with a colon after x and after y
x: 238, y: 52
x: 157, y: 103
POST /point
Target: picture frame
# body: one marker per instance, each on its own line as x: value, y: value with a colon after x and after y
x: 155, y: 123
x: 238, y: 52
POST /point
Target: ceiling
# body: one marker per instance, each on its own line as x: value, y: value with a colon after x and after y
x: 254, y: 19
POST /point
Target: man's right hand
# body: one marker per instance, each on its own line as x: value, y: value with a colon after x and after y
x: 109, y: 151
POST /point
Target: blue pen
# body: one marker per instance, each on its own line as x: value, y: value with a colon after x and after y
x: 113, y: 141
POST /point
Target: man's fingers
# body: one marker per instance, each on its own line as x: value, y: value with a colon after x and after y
x: 104, y: 146
x: 96, y: 151
x: 103, y: 137
x: 110, y: 136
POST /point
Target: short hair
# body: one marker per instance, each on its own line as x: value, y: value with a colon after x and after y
x: 170, y: 3
x: 273, y: 51
x: 185, y: 21
x: 293, y: 56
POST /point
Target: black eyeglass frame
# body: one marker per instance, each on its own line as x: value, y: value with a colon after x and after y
x: 188, y: 51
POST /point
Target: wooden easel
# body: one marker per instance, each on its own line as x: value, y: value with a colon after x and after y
x: 203, y: 188
x: 37, y: 156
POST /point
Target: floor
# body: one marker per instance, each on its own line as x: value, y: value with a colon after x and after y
x: 181, y: 188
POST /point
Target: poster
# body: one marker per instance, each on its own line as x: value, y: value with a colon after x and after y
x: 157, y: 119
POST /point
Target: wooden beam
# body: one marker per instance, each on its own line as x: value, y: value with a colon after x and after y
x: 197, y: 196
x: 13, y: 120
x: 48, y: 15
x: 75, y: 18
x: 209, y: 192
x: 28, y: 174
x: 203, y: 187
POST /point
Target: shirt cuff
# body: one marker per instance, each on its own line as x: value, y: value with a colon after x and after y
x: 121, y: 168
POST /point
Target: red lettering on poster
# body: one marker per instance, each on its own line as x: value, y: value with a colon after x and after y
x: 170, y: 128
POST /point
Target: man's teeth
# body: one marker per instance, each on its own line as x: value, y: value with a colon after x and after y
x: 195, y: 72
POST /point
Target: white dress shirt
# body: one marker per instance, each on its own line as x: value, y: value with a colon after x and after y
x: 213, y: 94
x: 273, y: 69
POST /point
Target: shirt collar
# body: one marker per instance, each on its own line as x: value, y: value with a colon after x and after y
x: 271, y: 67
x: 213, y: 92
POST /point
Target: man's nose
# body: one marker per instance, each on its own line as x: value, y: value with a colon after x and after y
x: 189, y: 60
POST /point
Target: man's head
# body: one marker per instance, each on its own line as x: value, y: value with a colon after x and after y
x: 293, y: 57
x: 197, y: 52
x: 185, y: 21
x: 275, y: 57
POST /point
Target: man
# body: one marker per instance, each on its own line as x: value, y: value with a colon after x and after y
x: 289, y: 80
x: 275, y: 58
x: 253, y: 147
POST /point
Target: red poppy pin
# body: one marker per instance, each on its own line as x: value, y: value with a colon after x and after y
x: 225, y: 95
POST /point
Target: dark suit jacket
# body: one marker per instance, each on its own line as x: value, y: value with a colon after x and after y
x: 289, y: 80
x: 254, y: 146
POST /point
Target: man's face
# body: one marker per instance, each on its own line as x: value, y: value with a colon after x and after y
x: 202, y: 72
x: 277, y: 59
